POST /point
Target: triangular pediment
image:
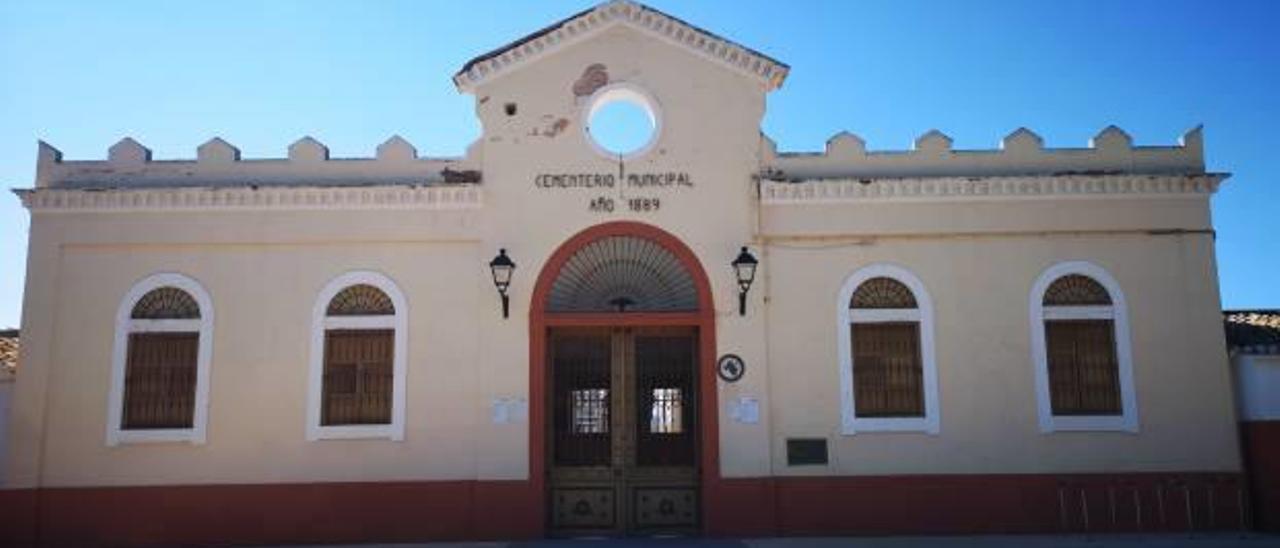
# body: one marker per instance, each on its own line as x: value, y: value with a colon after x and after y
x: 581, y: 26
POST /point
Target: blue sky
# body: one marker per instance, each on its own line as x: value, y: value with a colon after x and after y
x: 81, y: 75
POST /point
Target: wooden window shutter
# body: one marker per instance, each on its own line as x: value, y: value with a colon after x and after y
x: 888, y: 379
x: 357, y: 376
x: 1084, y: 375
x: 160, y: 381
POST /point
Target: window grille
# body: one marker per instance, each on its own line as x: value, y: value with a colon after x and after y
x: 664, y: 378
x: 357, y: 377
x: 1084, y: 374
x: 160, y: 381
x: 589, y: 411
x: 623, y: 274
x: 582, y: 408
x: 166, y: 303
x: 888, y: 379
x: 888, y: 373
x: 667, y: 412
x: 1076, y: 290
x: 357, y: 365
x: 883, y: 292
x: 361, y: 300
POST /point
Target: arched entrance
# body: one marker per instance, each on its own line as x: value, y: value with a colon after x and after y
x: 623, y: 432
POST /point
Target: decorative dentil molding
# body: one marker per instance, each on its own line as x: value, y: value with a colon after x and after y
x: 431, y: 197
x: 828, y: 191
x: 737, y: 57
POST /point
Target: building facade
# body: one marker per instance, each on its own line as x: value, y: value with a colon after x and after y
x: 1253, y: 344
x: 8, y: 371
x: 702, y: 335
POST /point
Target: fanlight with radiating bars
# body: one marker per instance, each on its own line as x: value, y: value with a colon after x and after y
x: 166, y: 303
x: 1076, y: 290
x: 623, y: 274
x: 361, y: 300
x: 882, y: 292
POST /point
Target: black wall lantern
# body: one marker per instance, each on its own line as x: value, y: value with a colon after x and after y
x: 501, y: 267
x: 744, y: 267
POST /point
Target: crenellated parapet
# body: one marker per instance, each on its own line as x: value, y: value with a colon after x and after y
x: 1022, y: 152
x: 218, y: 163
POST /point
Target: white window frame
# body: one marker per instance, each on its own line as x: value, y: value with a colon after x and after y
x: 923, y: 314
x: 320, y: 323
x: 1127, y: 420
x: 125, y: 325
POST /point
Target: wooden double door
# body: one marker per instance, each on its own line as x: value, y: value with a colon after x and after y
x: 623, y: 431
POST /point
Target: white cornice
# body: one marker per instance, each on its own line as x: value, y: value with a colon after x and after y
x: 653, y: 22
x: 828, y: 191
x: 442, y: 197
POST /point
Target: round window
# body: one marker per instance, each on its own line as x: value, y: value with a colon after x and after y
x: 621, y: 122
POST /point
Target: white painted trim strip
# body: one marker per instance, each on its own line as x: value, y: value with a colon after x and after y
x: 163, y: 326
x: 884, y: 315
x: 359, y: 322
x: 1103, y: 312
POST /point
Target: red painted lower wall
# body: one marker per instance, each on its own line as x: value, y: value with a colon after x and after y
x: 259, y: 514
x: 1260, y: 444
x: 998, y: 503
x: 418, y: 511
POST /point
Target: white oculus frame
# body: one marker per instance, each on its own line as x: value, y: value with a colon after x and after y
x: 126, y: 325
x: 850, y: 422
x: 320, y: 323
x: 630, y: 93
x: 1127, y: 420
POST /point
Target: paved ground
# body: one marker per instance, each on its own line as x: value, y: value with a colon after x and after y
x: 1019, y: 541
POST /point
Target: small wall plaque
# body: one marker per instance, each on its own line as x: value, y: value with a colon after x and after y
x: 508, y: 410
x: 730, y: 367
x: 802, y: 451
x: 745, y: 410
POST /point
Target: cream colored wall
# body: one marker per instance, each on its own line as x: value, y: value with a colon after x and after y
x: 710, y: 117
x: 263, y: 271
x: 264, y: 267
x: 980, y: 289
x: 968, y: 216
x: 25, y: 446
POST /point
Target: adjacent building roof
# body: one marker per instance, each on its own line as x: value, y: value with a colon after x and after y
x: 8, y: 353
x: 574, y: 28
x: 1253, y: 331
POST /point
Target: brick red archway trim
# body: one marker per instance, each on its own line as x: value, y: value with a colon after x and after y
x: 703, y: 319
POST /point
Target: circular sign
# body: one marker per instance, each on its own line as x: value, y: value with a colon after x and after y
x: 730, y: 367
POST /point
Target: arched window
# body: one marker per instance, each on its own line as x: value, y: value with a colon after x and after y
x: 358, y: 359
x: 160, y: 367
x: 1080, y: 346
x: 887, y: 369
